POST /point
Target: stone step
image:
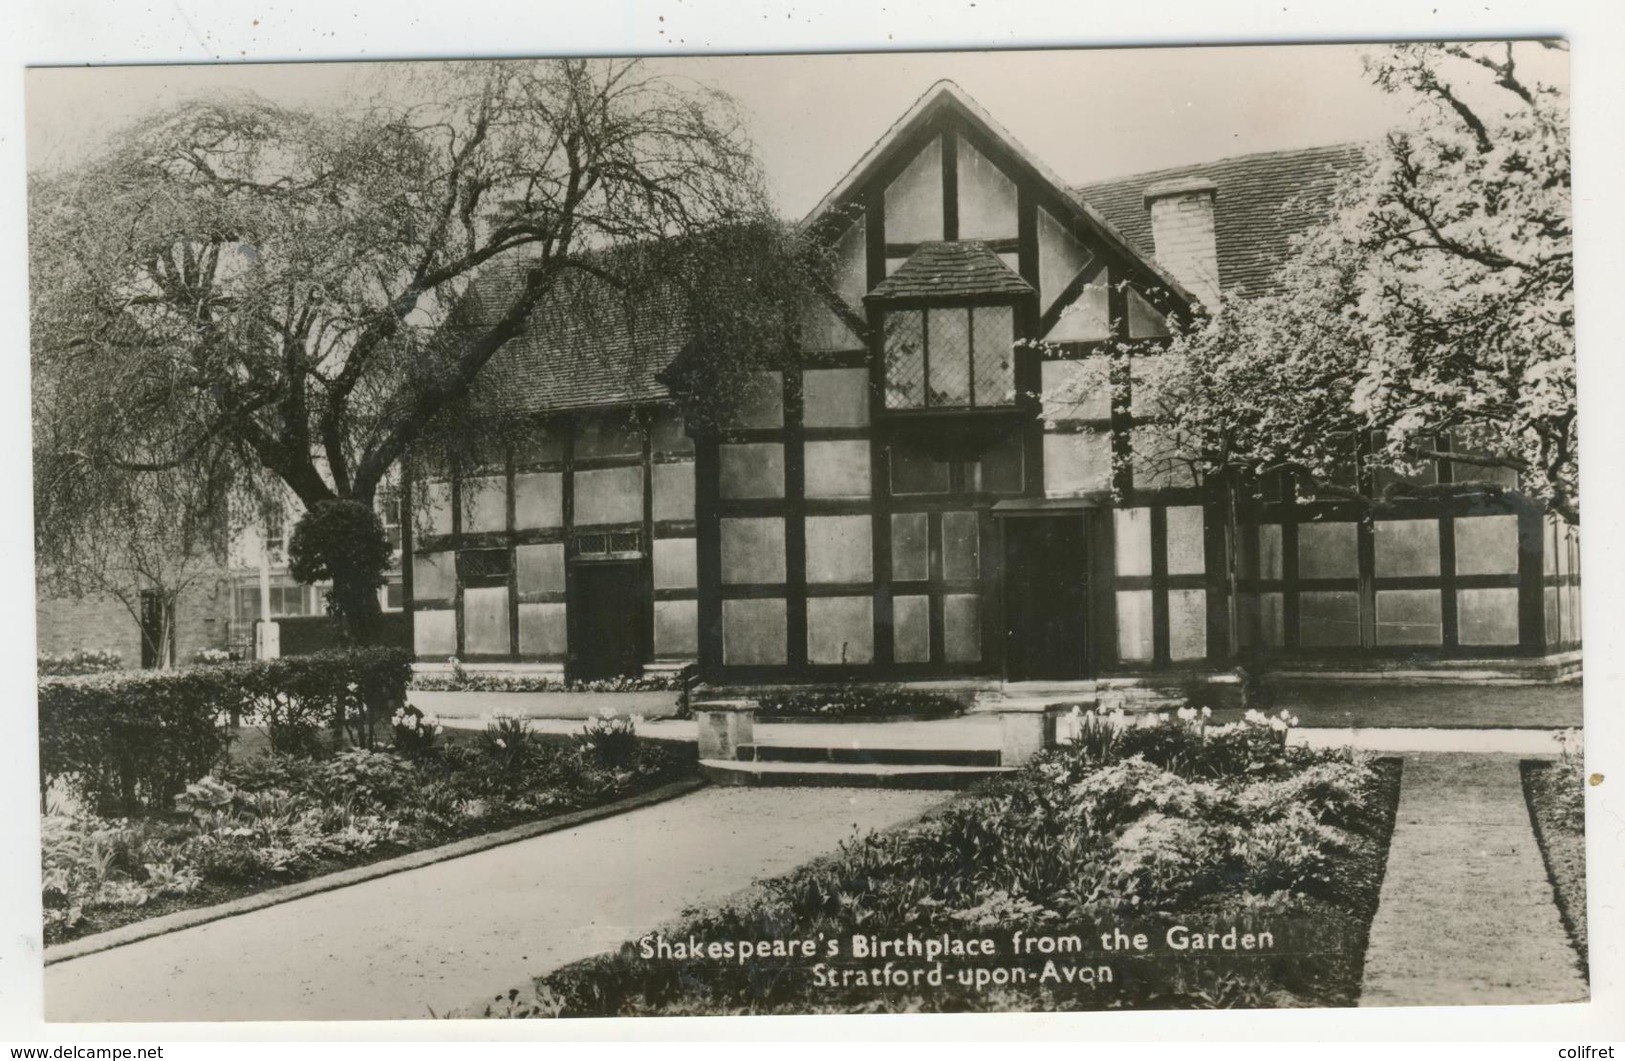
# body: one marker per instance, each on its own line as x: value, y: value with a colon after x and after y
x: 845, y: 775
x: 797, y: 753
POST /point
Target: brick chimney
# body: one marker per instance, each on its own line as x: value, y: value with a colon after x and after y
x: 1182, y: 229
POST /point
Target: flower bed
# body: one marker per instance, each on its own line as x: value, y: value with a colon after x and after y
x: 79, y: 661
x: 460, y: 679
x: 274, y: 818
x: 1139, y: 827
x: 854, y: 702
x: 1555, y: 792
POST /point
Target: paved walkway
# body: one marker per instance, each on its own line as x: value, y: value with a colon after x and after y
x: 1467, y: 915
x: 445, y: 935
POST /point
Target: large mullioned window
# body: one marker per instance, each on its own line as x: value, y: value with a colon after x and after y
x: 950, y: 357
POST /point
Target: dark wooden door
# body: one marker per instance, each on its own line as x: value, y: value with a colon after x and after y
x: 1045, y: 595
x: 606, y: 619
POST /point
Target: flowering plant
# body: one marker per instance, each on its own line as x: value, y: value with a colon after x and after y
x: 611, y: 739
x: 415, y: 732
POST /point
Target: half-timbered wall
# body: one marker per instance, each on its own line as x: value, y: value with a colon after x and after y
x: 495, y: 544
x: 1452, y: 576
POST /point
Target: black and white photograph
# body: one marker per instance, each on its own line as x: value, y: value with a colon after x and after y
x: 1063, y: 531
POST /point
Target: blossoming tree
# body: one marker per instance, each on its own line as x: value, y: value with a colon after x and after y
x: 1433, y: 318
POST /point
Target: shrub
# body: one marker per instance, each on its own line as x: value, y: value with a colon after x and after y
x: 343, y: 541
x: 369, y: 778
x: 132, y: 741
x: 295, y: 697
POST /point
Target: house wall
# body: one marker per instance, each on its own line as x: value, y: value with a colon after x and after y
x: 822, y: 535
x: 495, y: 549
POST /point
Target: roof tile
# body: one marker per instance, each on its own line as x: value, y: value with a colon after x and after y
x: 1264, y: 203
x: 951, y: 269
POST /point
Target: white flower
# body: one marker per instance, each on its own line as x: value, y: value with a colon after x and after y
x: 501, y: 743
x: 1187, y: 714
x: 1207, y: 712
x: 1278, y: 725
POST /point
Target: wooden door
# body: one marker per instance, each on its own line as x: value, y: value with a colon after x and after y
x: 607, y: 619
x: 1046, y: 595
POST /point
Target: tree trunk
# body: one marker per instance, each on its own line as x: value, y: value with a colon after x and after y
x: 356, y: 594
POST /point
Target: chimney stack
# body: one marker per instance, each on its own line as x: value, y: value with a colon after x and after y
x: 1182, y: 229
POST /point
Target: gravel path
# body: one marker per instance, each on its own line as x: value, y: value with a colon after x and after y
x: 448, y: 934
x: 1467, y: 915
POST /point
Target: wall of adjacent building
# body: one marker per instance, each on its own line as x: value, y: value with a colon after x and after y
x: 66, y: 624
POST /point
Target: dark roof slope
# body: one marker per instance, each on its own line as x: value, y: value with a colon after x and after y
x: 1263, y: 203
x: 951, y: 269
x: 587, y: 345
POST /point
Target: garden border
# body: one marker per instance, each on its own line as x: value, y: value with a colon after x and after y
x: 1582, y: 951
x: 182, y: 919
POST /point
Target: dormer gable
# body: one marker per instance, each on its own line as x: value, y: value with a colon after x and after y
x: 946, y: 173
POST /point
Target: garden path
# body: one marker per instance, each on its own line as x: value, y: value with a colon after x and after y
x: 444, y: 935
x: 1467, y: 915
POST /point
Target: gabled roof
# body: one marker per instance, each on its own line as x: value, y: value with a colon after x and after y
x: 946, y: 95
x: 951, y: 269
x: 588, y: 345
x: 1264, y: 202
x: 592, y: 346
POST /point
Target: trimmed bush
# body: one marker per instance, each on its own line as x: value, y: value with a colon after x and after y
x: 131, y: 742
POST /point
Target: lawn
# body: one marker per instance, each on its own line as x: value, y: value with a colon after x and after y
x: 1029, y: 893
x: 1556, y: 795
x: 264, y: 819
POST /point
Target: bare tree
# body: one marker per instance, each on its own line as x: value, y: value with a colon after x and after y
x: 236, y: 283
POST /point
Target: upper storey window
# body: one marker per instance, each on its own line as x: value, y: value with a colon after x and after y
x: 950, y: 357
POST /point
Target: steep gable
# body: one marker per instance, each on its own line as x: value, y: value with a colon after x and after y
x: 947, y: 127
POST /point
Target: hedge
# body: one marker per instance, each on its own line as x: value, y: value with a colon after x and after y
x: 132, y: 741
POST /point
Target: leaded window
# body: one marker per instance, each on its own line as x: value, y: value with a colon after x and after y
x: 950, y: 357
